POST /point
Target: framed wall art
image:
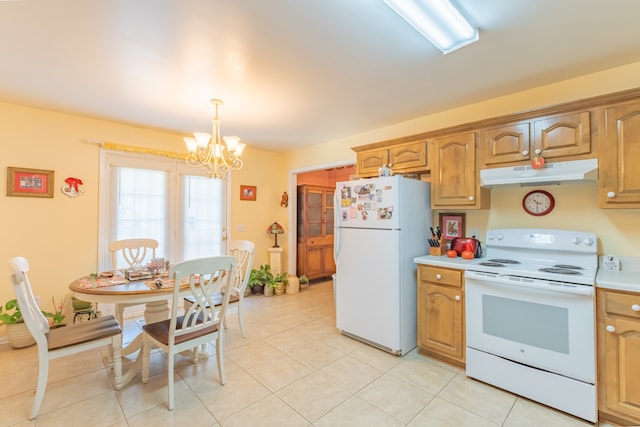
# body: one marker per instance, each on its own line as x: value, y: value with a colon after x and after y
x: 452, y: 225
x: 23, y: 182
x: 248, y: 192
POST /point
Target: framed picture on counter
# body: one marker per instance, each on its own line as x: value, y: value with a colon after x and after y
x: 248, y: 192
x: 452, y: 225
x: 24, y: 182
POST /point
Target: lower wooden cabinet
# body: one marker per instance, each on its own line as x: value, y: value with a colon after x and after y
x: 618, y: 329
x: 441, y: 329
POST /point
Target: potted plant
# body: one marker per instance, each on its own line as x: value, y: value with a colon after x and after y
x: 304, y: 281
x: 56, y: 317
x: 17, y: 331
x: 279, y: 282
x: 258, y: 278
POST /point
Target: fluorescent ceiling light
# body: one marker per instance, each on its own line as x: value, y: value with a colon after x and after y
x: 438, y: 20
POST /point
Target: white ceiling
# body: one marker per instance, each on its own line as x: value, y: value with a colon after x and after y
x: 292, y: 72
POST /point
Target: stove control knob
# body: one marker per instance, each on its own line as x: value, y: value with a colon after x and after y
x: 500, y: 236
x: 588, y: 241
x: 611, y: 328
x: 576, y: 240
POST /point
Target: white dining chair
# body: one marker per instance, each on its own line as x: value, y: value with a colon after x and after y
x: 134, y: 252
x: 243, y: 251
x: 60, y: 342
x: 200, y: 323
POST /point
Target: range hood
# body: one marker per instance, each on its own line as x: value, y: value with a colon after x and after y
x: 552, y: 173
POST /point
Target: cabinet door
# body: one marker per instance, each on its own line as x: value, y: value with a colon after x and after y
x: 505, y: 144
x: 620, y: 181
x: 368, y: 162
x: 328, y: 212
x: 562, y: 135
x: 440, y: 320
x: 454, y: 181
x: 622, y: 367
x: 409, y: 157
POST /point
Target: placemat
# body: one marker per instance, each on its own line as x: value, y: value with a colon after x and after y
x: 99, y: 282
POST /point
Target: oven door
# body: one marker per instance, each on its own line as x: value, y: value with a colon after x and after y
x: 547, y: 325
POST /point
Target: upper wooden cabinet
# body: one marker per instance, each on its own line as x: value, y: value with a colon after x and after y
x: 558, y: 135
x: 619, y: 179
x: 454, y: 178
x: 403, y: 158
x: 505, y: 144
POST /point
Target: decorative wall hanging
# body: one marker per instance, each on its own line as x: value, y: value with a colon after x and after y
x: 284, y: 202
x: 248, y: 192
x: 23, y: 182
x: 73, y: 187
x: 452, y: 225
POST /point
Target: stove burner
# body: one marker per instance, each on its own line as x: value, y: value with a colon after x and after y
x: 505, y: 261
x: 571, y: 267
x: 491, y: 263
x: 559, y: 270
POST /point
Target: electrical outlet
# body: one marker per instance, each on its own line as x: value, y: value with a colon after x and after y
x: 611, y: 262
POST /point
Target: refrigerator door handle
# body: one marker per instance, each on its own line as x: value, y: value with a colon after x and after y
x: 336, y: 228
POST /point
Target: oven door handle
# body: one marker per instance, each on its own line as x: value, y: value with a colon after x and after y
x: 542, y: 285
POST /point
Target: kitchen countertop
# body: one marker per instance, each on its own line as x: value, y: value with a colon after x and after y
x: 625, y: 279
x: 445, y: 261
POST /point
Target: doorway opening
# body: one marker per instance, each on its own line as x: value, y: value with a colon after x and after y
x: 325, y: 175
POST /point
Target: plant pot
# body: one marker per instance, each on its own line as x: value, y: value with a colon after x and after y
x: 279, y: 290
x: 19, y: 335
x: 257, y: 289
x: 294, y: 285
x: 268, y: 291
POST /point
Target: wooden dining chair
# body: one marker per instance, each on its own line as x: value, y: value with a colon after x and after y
x: 200, y: 323
x: 60, y: 342
x: 134, y: 252
x: 243, y: 251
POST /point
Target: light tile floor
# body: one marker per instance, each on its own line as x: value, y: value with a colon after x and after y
x: 293, y: 369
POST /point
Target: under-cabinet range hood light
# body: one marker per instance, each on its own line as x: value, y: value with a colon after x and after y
x: 552, y: 173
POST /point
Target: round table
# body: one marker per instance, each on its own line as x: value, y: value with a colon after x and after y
x: 136, y: 292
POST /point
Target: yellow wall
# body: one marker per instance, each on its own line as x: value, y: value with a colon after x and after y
x: 59, y: 236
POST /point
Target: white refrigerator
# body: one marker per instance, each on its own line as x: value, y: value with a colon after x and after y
x: 380, y: 227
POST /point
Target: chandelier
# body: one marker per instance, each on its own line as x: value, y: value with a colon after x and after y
x: 207, y: 151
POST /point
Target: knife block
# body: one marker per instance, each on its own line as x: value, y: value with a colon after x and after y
x: 438, y: 250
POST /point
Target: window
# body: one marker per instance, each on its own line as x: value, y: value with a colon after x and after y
x: 163, y: 199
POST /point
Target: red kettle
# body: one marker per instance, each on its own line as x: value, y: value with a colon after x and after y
x: 471, y: 244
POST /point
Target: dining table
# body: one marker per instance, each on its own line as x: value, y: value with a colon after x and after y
x: 154, y: 292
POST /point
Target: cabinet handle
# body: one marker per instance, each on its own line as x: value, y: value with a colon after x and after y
x: 635, y: 307
x: 457, y: 297
x: 538, y: 151
x: 471, y: 198
x: 438, y: 276
x: 611, y: 194
x: 611, y: 328
x: 525, y: 152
